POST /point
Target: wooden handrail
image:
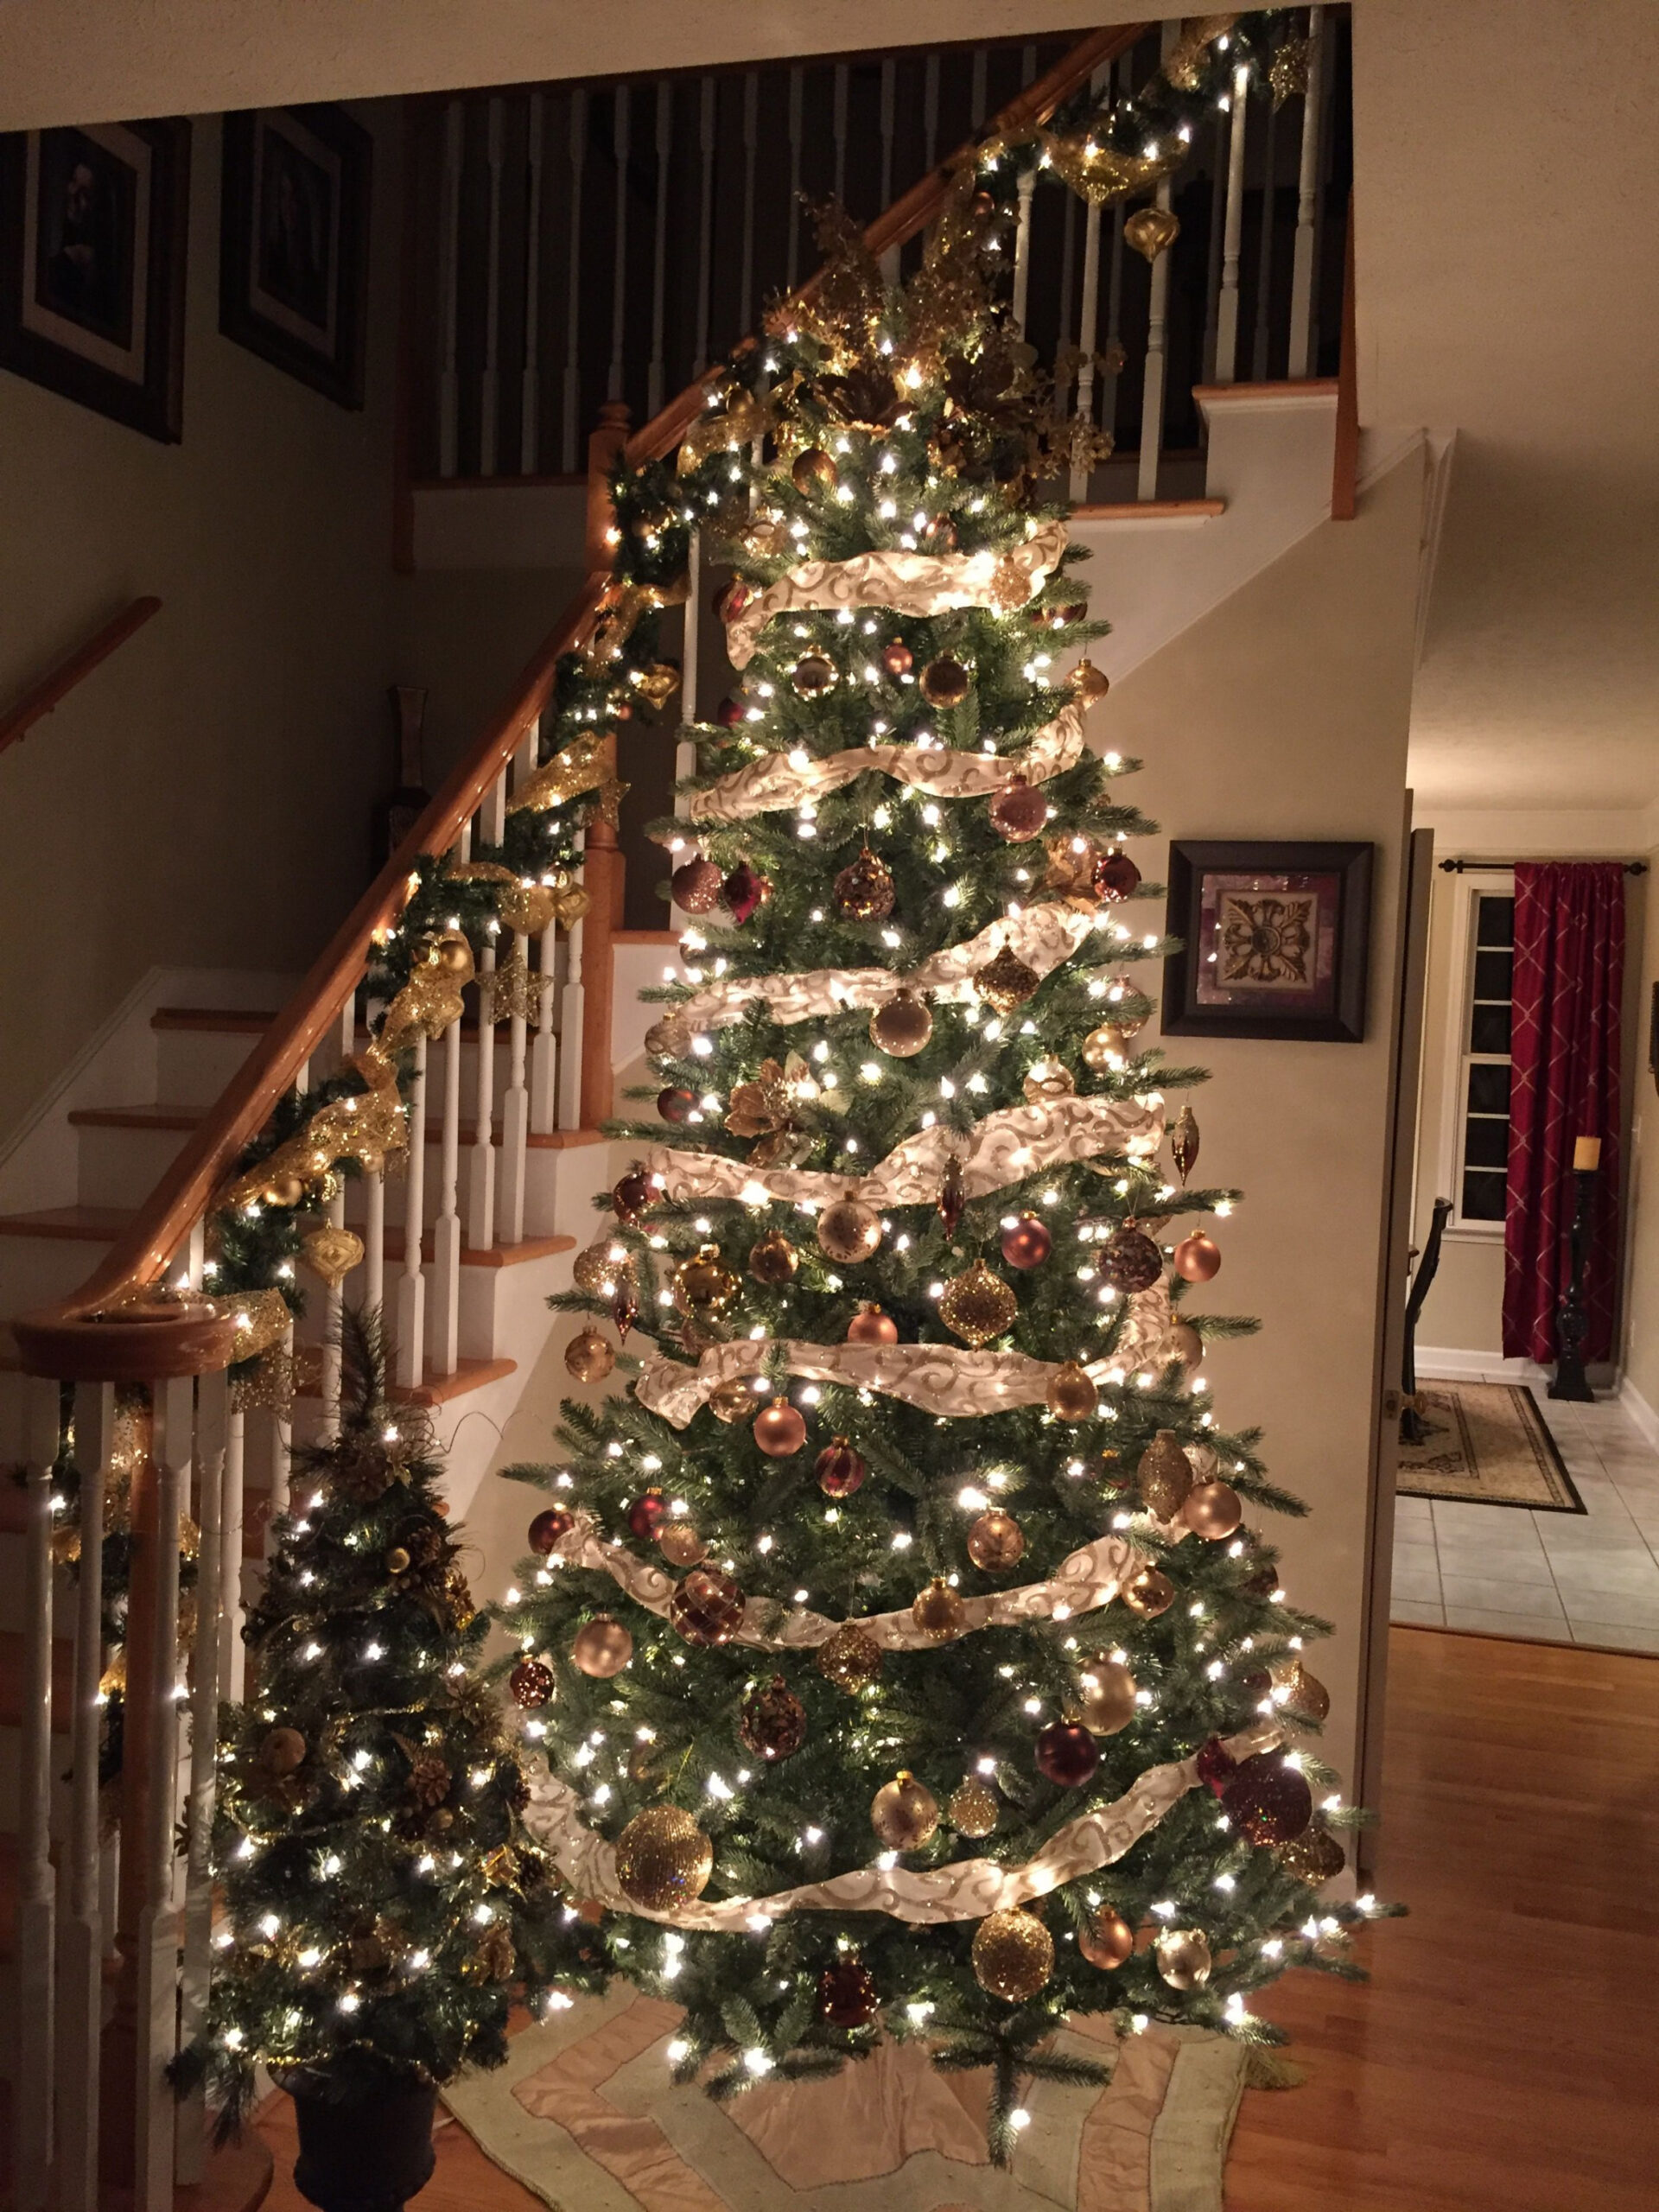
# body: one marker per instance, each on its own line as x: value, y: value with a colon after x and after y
x: 178, y: 1200
x: 52, y: 689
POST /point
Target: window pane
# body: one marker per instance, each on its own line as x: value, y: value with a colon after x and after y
x: 1494, y: 975
x: 1485, y: 1144
x: 1483, y: 1195
x: 1488, y: 1029
x: 1489, y: 1088
x: 1495, y: 922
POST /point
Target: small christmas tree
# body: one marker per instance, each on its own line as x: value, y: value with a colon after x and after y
x: 367, y: 1834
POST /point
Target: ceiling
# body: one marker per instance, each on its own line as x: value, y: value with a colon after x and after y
x: 1507, y: 179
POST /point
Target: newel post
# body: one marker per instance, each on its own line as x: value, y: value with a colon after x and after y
x: 604, y: 867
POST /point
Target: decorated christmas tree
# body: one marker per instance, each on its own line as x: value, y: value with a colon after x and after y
x: 916, y: 1663
x: 378, y: 1880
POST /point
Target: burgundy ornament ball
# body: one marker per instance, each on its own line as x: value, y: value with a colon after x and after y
x: 677, y: 1105
x: 846, y: 1995
x: 1067, y: 1753
x: 1270, y: 1800
x: 632, y: 1195
x: 695, y: 887
x: 744, y: 893
x: 1027, y: 1242
x: 531, y: 1683
x: 1130, y: 1260
x: 1115, y: 877
x: 773, y: 1721
x: 729, y: 712
x: 648, y: 1514
x: 839, y: 1469
x: 1018, y: 813
x: 548, y: 1526
x: 707, y: 1607
x: 1217, y: 1765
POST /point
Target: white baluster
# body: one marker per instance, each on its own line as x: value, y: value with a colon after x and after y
x: 515, y: 1118
x: 157, y: 1941
x: 445, y: 1312
x: 685, y: 752
x: 411, y: 1288
x: 796, y: 104
x: 281, y: 1434
x: 213, y: 1427
x: 1152, y: 394
x: 490, y: 390
x: 1302, y: 363
x: 232, y: 1655
x: 620, y: 257
x: 705, y: 219
x: 1088, y: 311
x: 1068, y: 269
x: 544, y: 1045
x: 334, y: 1304
x: 889, y: 82
x: 655, y: 380
x: 1022, y: 250
x: 530, y: 384
x: 570, y: 1019
x: 571, y: 418
x: 36, y: 1884
x: 455, y: 126
x: 480, y: 1166
x: 751, y: 140
x: 838, y: 117
x: 374, y: 1244
x: 1212, y: 269
x: 1232, y: 236
x: 81, y: 1931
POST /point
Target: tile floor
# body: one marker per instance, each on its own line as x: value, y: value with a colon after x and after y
x: 1560, y: 1577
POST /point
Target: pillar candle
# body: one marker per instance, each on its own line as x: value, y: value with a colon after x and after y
x: 1586, y: 1154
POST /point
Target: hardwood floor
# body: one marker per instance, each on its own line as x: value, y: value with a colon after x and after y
x: 1505, y: 2055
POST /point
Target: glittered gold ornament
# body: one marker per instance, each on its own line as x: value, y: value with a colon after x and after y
x: 680, y: 1544
x: 978, y: 1305
x: 707, y: 1607
x: 814, y: 675
x: 703, y: 1285
x: 774, y: 1259
x: 1005, y: 981
x: 870, y: 1326
x: 1288, y: 71
x: 1313, y: 1858
x: 973, y: 1808
x: 695, y: 887
x: 1152, y: 231
x: 1307, y: 1698
x: 1213, y: 1510
x: 938, y: 1611
x: 1107, y: 1941
x: 903, y: 1026
x: 330, y: 1252
x: 1129, y: 1259
x: 1013, y: 1954
x: 732, y: 1400
x: 849, y: 1659
x: 813, y: 471
x: 1071, y: 1392
x: 1183, y: 1956
x: 1105, y: 1699
x: 602, y: 1267
x: 664, y: 1858
x: 1184, y: 1143
x: 589, y: 1357
x: 602, y: 1647
x: 863, y: 890
x: 904, y: 1811
x: 995, y: 1542
x: 1163, y: 1475
x: 946, y: 682
x: 1149, y: 1593
x: 1089, y: 682
x: 849, y: 1231
x: 779, y: 1430
x: 1046, y: 1081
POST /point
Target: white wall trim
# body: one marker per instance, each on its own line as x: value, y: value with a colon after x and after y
x: 1639, y: 1412
x: 1453, y: 1363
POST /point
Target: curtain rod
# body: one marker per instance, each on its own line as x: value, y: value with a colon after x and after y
x: 1458, y: 866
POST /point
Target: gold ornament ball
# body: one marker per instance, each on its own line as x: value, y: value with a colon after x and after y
x: 731, y: 1399
x: 1213, y: 1510
x: 773, y: 1259
x: 973, y: 1808
x: 704, y: 1284
x: 1089, y: 682
x: 1046, y: 1081
x: 870, y: 1326
x: 779, y: 1430
x: 946, y: 682
x: 680, y: 1544
x: 1149, y: 1593
x: 849, y: 1659
x: 588, y: 1358
x: 1108, y: 1941
x: 283, y: 1190
x: 1183, y: 1956
x: 904, y: 1811
x: 1102, y: 1048
x: 1071, y: 1392
x: 938, y: 1611
x: 1314, y: 1856
x: 1197, y: 1257
x: 996, y: 1541
x: 978, y: 1305
x: 283, y: 1750
x: 598, y: 1271
x: 1185, y: 1344
x: 664, y: 1858
x: 1013, y: 1954
x: 1309, y: 1700
x: 1006, y: 981
x: 813, y: 675
x: 903, y: 1026
x: 814, y: 471
x: 1106, y: 1699
x: 453, y: 954
x: 396, y: 1560
x: 1163, y: 1476
x: 1152, y: 231
x: 850, y: 1232
x: 602, y: 1647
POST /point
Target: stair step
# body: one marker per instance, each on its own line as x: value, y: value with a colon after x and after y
x: 492, y: 1255
x: 13, y: 1649
x: 93, y: 1225
x: 220, y: 1020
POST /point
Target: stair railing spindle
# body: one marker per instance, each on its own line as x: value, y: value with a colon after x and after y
x: 1264, y: 252
x: 411, y: 1286
x: 79, y: 1994
x: 572, y: 1015
x: 212, y: 1423
x: 1226, y: 369
x: 705, y: 218
x: 333, y: 1305
x: 1152, y: 390
x: 36, y: 1882
x: 480, y: 1166
x: 751, y: 143
x: 232, y: 1653
x: 1301, y: 361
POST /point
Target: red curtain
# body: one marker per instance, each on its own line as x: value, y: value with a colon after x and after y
x: 1569, y: 971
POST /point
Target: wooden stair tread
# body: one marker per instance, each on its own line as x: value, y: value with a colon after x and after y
x: 439, y: 1389
x: 225, y: 1020
x: 13, y: 1646
x: 135, y: 1117
x: 493, y: 1255
x: 97, y: 1224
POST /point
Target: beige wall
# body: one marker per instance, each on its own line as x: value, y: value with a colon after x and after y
x: 203, y: 799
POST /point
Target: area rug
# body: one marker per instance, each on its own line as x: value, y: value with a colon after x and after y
x: 585, y: 2116
x: 1487, y: 1444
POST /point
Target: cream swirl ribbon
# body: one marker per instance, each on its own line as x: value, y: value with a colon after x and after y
x: 966, y: 1890
x: 780, y: 779
x: 908, y: 583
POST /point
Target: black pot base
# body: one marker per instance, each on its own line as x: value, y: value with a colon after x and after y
x: 370, y: 2154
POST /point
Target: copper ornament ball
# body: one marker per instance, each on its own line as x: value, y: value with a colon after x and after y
x: 680, y: 1544
x: 1108, y: 1941
x: 773, y: 1721
x: 648, y: 1514
x: 664, y: 1858
x: 1197, y: 1257
x: 938, y: 1611
x: 1019, y: 812
x: 531, y: 1683
x: 1269, y: 1799
x: 897, y: 659
x: 602, y: 1647
x: 588, y: 1358
x: 850, y: 1232
x: 1026, y: 1242
x: 773, y: 1260
x: 1013, y: 1954
x: 1163, y: 1475
x: 552, y: 1522
x: 903, y: 1026
x: 1067, y: 1753
x: 1184, y: 1957
x: 814, y: 675
x: 973, y: 1808
x: 870, y: 1326
x: 695, y: 887
x: 904, y: 1811
x: 995, y: 1542
x: 946, y: 682
x: 779, y: 1430
x: 1071, y: 1392
x: 846, y: 1995
x: 1149, y: 1593
x: 707, y: 1607
x: 1105, y: 1700
x: 1130, y: 1260
x: 1213, y: 1510
x: 978, y: 1305
x: 813, y: 471
x: 840, y: 1470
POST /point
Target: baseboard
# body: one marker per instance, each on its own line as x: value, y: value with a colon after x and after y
x: 1451, y: 1364
x: 1640, y: 1412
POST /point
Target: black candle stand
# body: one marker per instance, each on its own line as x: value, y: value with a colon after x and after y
x: 1572, y: 1322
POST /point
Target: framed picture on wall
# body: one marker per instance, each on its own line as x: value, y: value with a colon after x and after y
x: 294, y: 244
x: 1274, y: 940
x: 92, y: 237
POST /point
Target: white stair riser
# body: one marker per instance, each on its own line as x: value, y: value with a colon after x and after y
x: 121, y: 1167
x: 40, y: 1270
x: 193, y: 1065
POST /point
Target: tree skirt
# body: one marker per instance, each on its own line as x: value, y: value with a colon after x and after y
x: 584, y: 2114
x: 1487, y: 1444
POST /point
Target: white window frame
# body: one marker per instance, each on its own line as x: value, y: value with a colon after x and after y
x: 1472, y: 884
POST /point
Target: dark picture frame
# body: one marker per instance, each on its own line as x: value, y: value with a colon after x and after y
x: 94, y: 238
x: 1276, y: 940
x: 294, y: 244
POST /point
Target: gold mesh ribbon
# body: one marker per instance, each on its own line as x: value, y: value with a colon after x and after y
x: 582, y: 765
